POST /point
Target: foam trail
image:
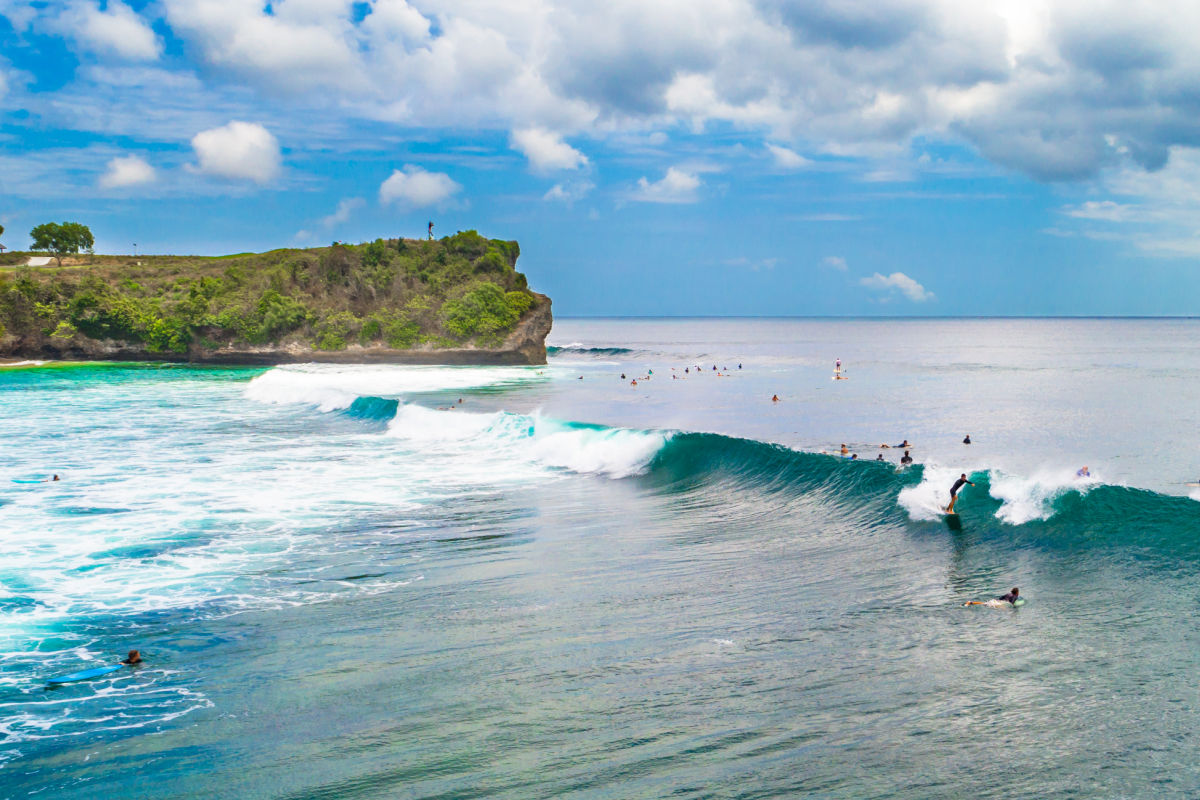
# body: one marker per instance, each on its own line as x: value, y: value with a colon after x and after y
x: 335, y: 387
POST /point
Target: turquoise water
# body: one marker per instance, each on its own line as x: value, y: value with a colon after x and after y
x: 581, y: 588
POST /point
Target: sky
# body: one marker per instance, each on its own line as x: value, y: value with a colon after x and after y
x: 652, y: 157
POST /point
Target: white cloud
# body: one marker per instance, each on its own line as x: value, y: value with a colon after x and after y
x: 546, y: 150
x: 787, y: 159
x: 344, y: 210
x: 677, y: 186
x: 897, y: 282
x: 300, y: 45
x: 835, y: 262
x: 412, y: 186
x: 116, y: 31
x: 569, y: 192
x: 239, y: 151
x: 127, y: 171
x: 1102, y: 209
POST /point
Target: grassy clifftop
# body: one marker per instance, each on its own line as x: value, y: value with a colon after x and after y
x: 379, y: 301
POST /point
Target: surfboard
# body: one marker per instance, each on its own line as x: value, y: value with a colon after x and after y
x: 84, y: 675
x: 952, y: 519
x: 29, y: 480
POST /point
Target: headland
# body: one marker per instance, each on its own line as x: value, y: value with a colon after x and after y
x: 455, y: 300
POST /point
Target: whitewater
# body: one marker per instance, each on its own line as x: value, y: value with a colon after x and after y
x: 386, y: 581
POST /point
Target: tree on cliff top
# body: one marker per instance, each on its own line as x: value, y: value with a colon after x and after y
x: 69, y: 237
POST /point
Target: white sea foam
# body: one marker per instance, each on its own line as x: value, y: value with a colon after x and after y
x: 1022, y: 499
x: 517, y: 439
x: 333, y: 387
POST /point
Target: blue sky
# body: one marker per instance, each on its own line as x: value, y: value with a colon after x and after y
x: 745, y: 157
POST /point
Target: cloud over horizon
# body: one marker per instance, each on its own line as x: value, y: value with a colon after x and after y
x: 238, y: 151
x: 414, y: 187
x: 897, y: 282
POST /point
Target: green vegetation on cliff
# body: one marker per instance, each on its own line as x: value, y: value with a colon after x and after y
x: 459, y: 291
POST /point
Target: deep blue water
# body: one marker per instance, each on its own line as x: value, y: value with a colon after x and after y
x: 348, y: 584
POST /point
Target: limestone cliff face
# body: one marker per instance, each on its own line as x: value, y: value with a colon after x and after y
x: 525, y: 345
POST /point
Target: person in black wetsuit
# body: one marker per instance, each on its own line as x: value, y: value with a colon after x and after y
x: 967, y: 440
x: 134, y: 657
x: 1011, y: 597
x: 954, y: 491
x: 906, y: 459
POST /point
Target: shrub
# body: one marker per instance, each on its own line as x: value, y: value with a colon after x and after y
x: 481, y: 310
x: 334, y: 330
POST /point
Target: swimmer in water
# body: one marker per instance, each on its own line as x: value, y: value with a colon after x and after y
x: 967, y: 440
x: 134, y: 657
x: 879, y: 457
x: 905, y: 460
x: 954, y: 492
x: 1010, y: 598
x: 845, y: 449
x: 774, y: 398
x: 1083, y: 472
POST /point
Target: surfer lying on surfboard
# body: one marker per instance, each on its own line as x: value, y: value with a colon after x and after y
x: 954, y: 491
x: 1011, y: 598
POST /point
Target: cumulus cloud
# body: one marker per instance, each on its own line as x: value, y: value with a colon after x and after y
x: 238, y: 151
x: 116, y: 30
x: 677, y: 186
x: 785, y: 158
x: 414, y: 187
x: 127, y: 171
x: 835, y: 262
x: 1056, y: 89
x: 546, y: 150
x: 897, y: 282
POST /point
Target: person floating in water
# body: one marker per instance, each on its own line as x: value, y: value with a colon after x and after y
x: 905, y: 460
x: 902, y: 444
x: 1010, y: 598
x: 739, y: 366
x: 633, y: 382
x: 133, y: 658
x: 967, y: 440
x: 774, y: 398
x: 845, y: 449
x: 954, y: 492
x: 1083, y: 472
x: 837, y: 365
x: 879, y: 457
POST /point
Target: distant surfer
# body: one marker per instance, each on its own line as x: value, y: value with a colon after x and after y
x: 774, y: 398
x: 133, y: 658
x: 958, y: 484
x: 845, y: 450
x: 967, y: 440
x: 905, y: 460
x: 1083, y: 472
x: 837, y: 365
x: 1010, y: 598
x: 903, y: 444
x: 879, y: 457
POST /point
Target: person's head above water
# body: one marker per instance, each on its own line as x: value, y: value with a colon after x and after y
x: 963, y: 476
x: 56, y: 477
x: 1015, y: 591
x: 134, y: 657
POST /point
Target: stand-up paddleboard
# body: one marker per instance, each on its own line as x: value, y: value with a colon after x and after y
x: 86, y: 674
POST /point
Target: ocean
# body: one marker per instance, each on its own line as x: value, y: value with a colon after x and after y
x: 545, y: 582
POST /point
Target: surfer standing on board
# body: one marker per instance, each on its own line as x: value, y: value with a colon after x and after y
x: 954, y: 491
